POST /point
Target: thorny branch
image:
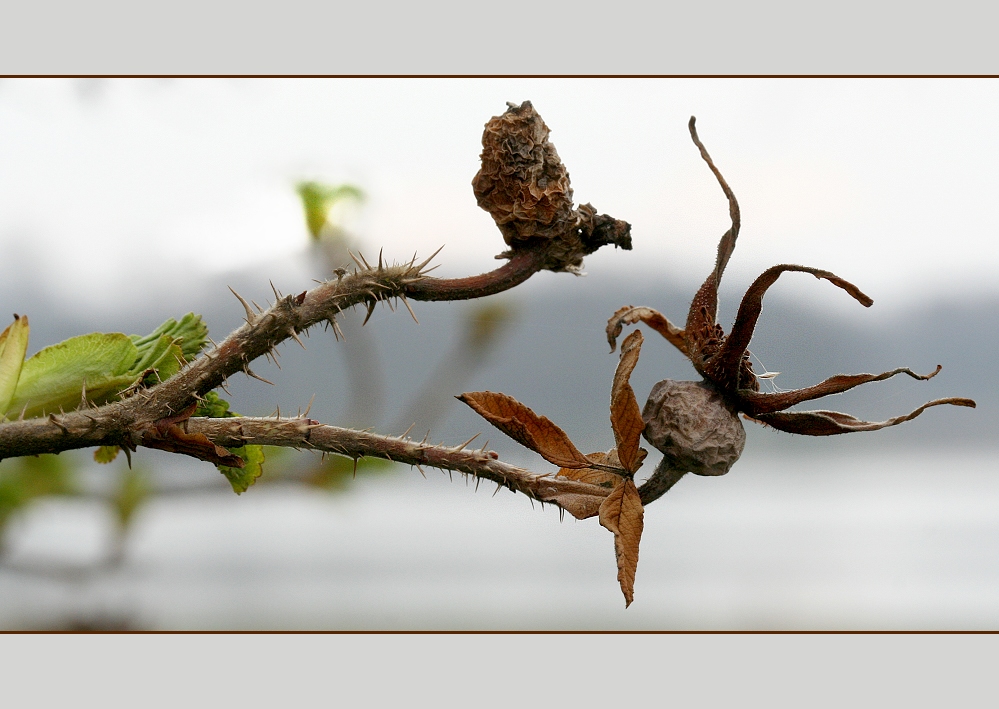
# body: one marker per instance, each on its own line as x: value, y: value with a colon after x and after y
x: 524, y: 187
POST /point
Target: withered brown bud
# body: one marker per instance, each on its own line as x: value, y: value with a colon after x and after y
x: 694, y: 427
x: 522, y: 182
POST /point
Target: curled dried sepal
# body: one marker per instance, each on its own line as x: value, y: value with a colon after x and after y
x: 757, y: 403
x: 526, y: 427
x: 522, y: 182
x: 830, y: 423
x: 625, y: 415
x: 629, y: 315
x: 623, y: 514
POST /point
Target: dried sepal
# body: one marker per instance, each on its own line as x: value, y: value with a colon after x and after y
x: 830, y: 423
x: 629, y: 315
x: 526, y: 427
x: 758, y: 403
x: 522, y: 182
x: 625, y: 414
x: 752, y: 305
x: 623, y: 514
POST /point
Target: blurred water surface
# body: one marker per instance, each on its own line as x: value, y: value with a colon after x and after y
x: 882, y: 540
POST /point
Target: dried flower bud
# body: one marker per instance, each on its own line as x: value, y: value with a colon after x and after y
x: 522, y: 182
x: 694, y: 427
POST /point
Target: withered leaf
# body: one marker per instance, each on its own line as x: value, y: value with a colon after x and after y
x: 526, y: 427
x: 594, y: 476
x: 623, y: 514
x: 174, y: 439
x: 625, y: 414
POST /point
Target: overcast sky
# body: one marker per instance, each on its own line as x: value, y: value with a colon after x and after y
x: 888, y: 183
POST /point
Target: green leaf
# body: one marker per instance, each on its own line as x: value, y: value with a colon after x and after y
x: 213, y: 406
x: 190, y: 333
x: 318, y: 199
x: 13, y: 346
x: 101, y: 364
x: 106, y: 454
x: 54, y: 378
x: 242, y: 478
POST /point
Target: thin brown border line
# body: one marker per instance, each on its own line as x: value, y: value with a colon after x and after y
x: 499, y: 632
x: 499, y: 76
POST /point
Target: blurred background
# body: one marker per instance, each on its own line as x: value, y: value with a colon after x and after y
x: 126, y: 202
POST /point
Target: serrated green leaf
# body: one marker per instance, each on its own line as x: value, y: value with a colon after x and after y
x: 242, y: 478
x: 190, y: 332
x: 54, y: 378
x: 13, y: 346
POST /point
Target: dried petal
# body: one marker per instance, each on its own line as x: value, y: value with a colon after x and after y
x: 623, y: 514
x: 526, y: 427
x: 694, y: 427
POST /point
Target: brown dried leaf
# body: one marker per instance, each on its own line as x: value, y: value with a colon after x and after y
x: 594, y: 476
x: 625, y: 414
x: 526, y: 427
x: 174, y: 439
x: 622, y: 513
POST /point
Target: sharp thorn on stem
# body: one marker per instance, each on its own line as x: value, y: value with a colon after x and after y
x: 251, y: 316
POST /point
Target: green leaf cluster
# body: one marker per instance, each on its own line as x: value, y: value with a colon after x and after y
x: 96, y: 367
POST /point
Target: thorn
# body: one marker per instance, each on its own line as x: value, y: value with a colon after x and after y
x: 561, y: 515
x: 294, y: 335
x: 408, y: 430
x: 277, y: 413
x: 498, y: 487
x: 419, y: 269
x: 463, y: 445
x: 23, y: 412
x: 380, y: 258
x: 371, y: 309
x: 355, y: 468
x: 309, y: 407
x: 128, y: 456
x: 83, y: 395
x: 225, y: 388
x: 366, y: 264
x: 477, y: 481
x: 406, y: 303
x: 352, y: 256
x: 250, y: 315
x: 54, y: 422
x: 257, y: 306
x: 483, y: 448
x: 421, y: 472
x: 336, y: 330
x: 250, y: 373
x: 425, y: 437
x: 531, y: 499
x: 449, y: 476
x: 277, y: 296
